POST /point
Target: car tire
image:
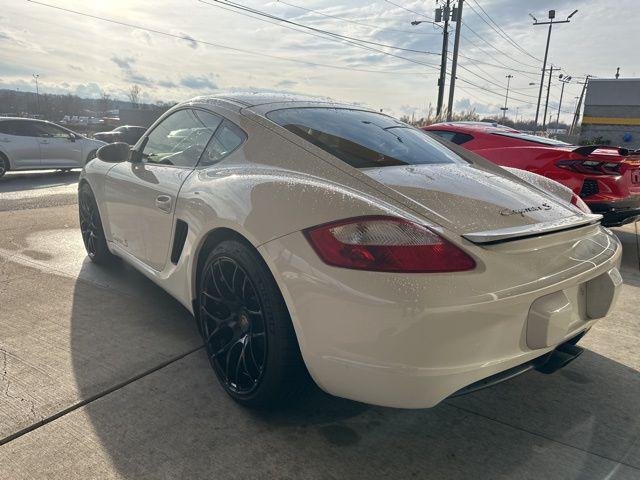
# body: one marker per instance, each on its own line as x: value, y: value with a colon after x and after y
x: 4, y: 165
x: 247, y: 330
x: 93, y: 237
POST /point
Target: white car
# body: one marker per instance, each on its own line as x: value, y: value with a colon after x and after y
x: 315, y: 238
x: 27, y: 144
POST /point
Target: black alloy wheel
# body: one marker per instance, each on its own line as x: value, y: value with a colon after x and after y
x: 246, y: 329
x: 91, y: 227
x: 233, y: 326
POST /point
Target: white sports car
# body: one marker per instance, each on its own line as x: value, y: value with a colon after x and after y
x: 314, y: 238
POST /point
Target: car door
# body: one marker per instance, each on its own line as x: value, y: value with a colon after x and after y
x: 140, y: 195
x: 18, y: 140
x: 58, y: 147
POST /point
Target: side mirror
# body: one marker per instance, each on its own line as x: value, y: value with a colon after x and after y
x: 114, y: 152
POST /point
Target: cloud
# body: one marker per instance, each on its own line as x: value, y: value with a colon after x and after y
x: 188, y: 39
x: 123, y: 62
x: 198, y: 82
x: 89, y: 90
x: 167, y: 84
x: 286, y: 84
x: 126, y: 65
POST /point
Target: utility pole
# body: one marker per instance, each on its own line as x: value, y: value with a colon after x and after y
x: 506, y: 97
x: 454, y: 64
x: 564, y: 81
x: 445, y: 12
x: 552, y: 15
x: 576, y: 115
x: 546, y: 103
x: 36, y: 76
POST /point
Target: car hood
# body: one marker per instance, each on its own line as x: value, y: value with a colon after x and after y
x: 466, y: 199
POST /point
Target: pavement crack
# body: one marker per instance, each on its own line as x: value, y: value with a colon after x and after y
x: 93, y: 398
x: 540, y: 435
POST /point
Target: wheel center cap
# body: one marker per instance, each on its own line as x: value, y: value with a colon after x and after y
x: 243, y: 320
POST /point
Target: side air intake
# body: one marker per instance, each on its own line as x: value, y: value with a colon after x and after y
x: 178, y: 240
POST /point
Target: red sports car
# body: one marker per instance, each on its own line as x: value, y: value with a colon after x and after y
x: 606, y: 178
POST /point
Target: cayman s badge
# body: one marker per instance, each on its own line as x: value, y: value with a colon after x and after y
x: 507, y: 212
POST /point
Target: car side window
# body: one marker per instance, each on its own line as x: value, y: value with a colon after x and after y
x: 180, y: 138
x: 227, y: 139
x: 47, y: 130
x: 454, y: 137
x: 20, y: 128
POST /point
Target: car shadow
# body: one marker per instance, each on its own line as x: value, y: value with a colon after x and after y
x: 35, y: 180
x: 177, y: 422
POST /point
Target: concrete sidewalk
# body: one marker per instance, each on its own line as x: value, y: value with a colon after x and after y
x: 111, y: 368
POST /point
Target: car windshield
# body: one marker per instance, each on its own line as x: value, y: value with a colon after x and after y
x: 363, y: 139
x: 534, y: 138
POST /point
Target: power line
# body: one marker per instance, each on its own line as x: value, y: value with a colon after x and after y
x: 496, y: 48
x: 345, y: 38
x: 499, y: 94
x: 323, y: 34
x: 189, y: 38
x: 355, y: 22
x: 498, y: 29
x: 422, y: 15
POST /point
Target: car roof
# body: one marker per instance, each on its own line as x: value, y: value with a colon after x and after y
x: 473, y: 126
x: 25, y: 119
x: 275, y: 100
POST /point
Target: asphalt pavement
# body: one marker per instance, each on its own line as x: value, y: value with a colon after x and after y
x: 102, y: 375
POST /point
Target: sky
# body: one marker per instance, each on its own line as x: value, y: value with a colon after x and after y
x: 185, y: 48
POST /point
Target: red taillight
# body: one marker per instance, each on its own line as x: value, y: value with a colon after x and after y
x: 592, y: 167
x: 578, y: 202
x: 386, y: 244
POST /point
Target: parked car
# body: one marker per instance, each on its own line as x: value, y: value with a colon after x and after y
x: 309, y: 236
x: 28, y: 144
x: 606, y: 178
x: 125, y: 133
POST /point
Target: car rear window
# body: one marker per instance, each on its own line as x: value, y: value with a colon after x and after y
x: 363, y: 139
x: 533, y: 138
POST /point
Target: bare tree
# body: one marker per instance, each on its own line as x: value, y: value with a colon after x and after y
x: 134, y: 96
x: 104, y: 103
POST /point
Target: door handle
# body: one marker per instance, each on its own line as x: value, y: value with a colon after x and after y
x: 163, y: 202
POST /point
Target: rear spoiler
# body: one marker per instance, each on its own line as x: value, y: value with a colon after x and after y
x: 533, y: 230
x: 587, y: 150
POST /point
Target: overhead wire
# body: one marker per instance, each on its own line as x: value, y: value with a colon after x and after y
x: 189, y: 38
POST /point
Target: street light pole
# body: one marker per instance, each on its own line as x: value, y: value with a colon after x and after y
x: 506, y: 97
x: 552, y: 15
x: 546, y: 103
x: 564, y: 81
x: 36, y: 76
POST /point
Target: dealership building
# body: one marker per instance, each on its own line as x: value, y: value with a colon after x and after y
x: 612, y: 112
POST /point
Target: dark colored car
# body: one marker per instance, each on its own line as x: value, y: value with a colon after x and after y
x: 606, y: 178
x: 126, y: 133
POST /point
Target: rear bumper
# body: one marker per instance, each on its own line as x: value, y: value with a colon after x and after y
x: 548, y: 363
x: 619, y: 212
x: 412, y: 341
